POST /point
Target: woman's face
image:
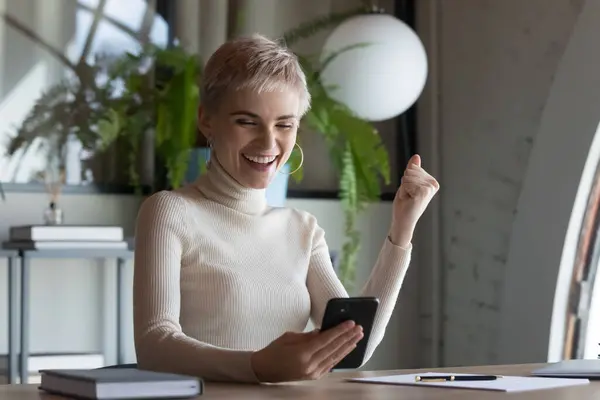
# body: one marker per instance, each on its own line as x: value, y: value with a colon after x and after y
x: 253, y: 134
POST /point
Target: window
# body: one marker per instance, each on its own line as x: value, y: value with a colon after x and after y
x: 39, y: 39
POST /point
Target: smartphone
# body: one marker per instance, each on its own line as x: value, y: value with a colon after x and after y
x: 362, y: 311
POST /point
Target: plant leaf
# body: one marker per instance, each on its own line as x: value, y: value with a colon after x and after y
x: 310, y: 28
x: 329, y: 58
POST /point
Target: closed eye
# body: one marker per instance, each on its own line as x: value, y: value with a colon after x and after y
x: 248, y: 122
x: 245, y: 122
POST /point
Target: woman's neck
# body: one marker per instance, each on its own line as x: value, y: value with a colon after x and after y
x: 217, y: 185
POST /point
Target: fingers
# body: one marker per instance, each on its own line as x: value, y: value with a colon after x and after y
x: 312, y: 347
x: 415, y: 160
x: 330, y: 351
x: 326, y: 368
x: 340, y: 357
x: 428, y: 183
x: 421, y: 177
x: 336, y: 354
x: 416, y: 171
x: 325, y: 338
x: 312, y: 333
x: 306, y: 355
x: 325, y: 359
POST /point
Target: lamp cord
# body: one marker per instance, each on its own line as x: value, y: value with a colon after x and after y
x: 372, y: 6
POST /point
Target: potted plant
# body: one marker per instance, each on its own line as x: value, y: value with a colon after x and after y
x: 157, y: 105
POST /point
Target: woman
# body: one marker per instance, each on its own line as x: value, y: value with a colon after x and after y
x: 225, y: 285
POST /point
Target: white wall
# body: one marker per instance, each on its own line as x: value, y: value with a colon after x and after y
x: 67, y: 304
x: 502, y: 114
x: 561, y: 171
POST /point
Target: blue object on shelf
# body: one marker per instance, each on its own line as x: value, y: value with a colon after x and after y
x: 276, y: 192
x: 198, y: 157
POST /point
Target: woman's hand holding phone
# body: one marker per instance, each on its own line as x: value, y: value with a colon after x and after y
x: 303, y: 356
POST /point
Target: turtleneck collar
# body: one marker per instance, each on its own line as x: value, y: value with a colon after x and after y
x: 218, y: 186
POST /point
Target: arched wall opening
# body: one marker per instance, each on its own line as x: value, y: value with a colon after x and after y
x: 552, y: 206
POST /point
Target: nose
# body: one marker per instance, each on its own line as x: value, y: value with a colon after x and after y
x: 268, y: 138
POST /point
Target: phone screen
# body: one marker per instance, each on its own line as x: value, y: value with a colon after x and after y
x: 362, y: 311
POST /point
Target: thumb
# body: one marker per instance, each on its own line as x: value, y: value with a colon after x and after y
x: 415, y: 159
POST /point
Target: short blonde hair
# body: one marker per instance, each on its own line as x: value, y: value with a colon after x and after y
x: 252, y: 62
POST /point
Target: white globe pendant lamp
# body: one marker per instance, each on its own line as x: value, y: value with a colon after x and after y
x: 382, y: 78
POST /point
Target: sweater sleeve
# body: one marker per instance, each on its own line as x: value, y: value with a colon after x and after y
x: 160, y: 344
x: 384, y: 283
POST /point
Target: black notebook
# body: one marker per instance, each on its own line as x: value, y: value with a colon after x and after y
x: 119, y: 383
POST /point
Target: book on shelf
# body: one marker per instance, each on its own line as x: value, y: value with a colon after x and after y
x: 64, y: 245
x: 91, y: 233
x: 42, y: 361
x: 119, y: 383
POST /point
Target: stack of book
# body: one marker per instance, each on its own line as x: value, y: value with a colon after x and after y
x: 43, y: 361
x: 65, y: 237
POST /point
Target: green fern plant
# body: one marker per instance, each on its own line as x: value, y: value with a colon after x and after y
x: 160, y: 97
x: 72, y: 108
x: 119, y: 103
x: 359, y: 156
x: 355, y: 146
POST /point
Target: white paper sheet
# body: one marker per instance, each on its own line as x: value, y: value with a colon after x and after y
x: 504, y: 384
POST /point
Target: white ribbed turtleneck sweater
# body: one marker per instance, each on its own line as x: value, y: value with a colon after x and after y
x: 219, y: 274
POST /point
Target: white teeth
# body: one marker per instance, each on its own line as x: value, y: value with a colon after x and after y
x: 260, y: 160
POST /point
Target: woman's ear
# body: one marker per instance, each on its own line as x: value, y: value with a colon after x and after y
x: 204, y: 123
x: 204, y: 128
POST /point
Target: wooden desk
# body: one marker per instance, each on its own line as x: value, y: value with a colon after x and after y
x: 333, y: 387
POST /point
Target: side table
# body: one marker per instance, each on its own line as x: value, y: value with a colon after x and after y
x: 25, y: 257
x: 12, y: 282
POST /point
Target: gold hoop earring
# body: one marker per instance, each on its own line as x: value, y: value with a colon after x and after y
x: 301, y: 162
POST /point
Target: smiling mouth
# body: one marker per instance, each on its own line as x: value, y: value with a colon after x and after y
x: 261, y: 164
x: 264, y: 160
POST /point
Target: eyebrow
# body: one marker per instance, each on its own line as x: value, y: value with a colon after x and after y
x: 253, y: 115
